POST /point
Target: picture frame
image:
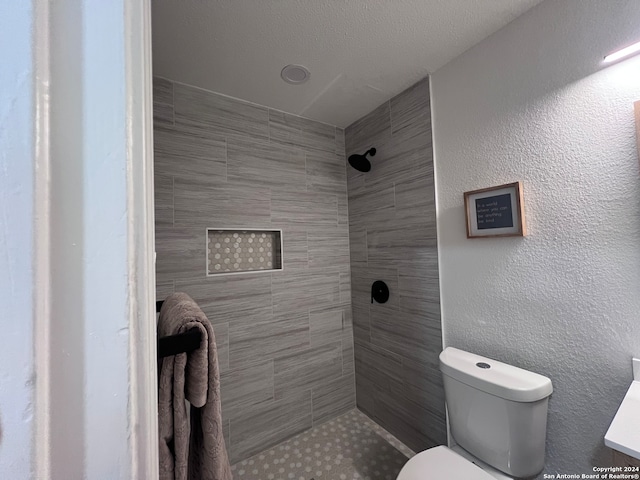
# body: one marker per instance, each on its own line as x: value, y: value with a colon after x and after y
x: 495, y: 211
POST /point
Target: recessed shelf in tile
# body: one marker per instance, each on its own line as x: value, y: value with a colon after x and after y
x: 243, y: 250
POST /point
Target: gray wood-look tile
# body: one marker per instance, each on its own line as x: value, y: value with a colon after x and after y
x: 343, y: 199
x: 355, y: 179
x: 348, y: 361
x: 163, y: 188
x: 163, y: 289
x: 245, y: 388
x: 163, y: 279
x: 304, y: 208
x: 222, y: 115
x: 365, y: 395
x: 358, y: 245
x: 404, y: 333
x: 294, y: 247
x: 334, y: 398
x: 416, y: 234
x: 226, y: 432
x: 287, y: 129
x: 162, y: 101
x: 401, y: 157
x: 409, y: 420
x: 326, y: 173
x: 343, y: 209
x: 243, y: 299
x: 371, y: 201
x: 259, y: 163
x: 181, y: 252
x: 251, y: 342
x: 375, y: 127
x: 343, y: 230
x: 162, y: 114
x: 361, y: 325
x: 300, y: 371
x: 397, y: 241
x: 400, y: 256
x: 221, y: 332
x: 268, y: 424
x: 328, y: 249
x: 340, y: 142
x: 416, y: 203
x: 347, y: 315
x: 198, y: 202
x: 298, y: 291
x: 190, y: 153
x: 423, y: 263
x: 420, y: 295
x: 345, y: 288
x: 411, y: 108
x: 162, y: 90
x: 426, y: 266
x: 379, y: 366
x: 366, y: 220
x: 392, y: 234
x: 423, y: 384
x: 325, y: 325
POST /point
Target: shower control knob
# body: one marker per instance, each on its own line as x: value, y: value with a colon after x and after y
x: 379, y: 292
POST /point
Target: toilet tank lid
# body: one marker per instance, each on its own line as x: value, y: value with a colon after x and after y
x: 493, y: 377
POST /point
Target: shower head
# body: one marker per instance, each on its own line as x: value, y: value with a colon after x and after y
x: 361, y: 162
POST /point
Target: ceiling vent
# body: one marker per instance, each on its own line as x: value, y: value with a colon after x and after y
x: 295, y: 74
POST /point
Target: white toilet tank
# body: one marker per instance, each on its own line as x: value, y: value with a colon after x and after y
x: 497, y: 412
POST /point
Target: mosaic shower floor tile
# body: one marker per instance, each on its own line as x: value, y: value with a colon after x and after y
x: 348, y: 447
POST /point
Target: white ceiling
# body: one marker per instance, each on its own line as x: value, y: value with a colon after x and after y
x: 360, y: 52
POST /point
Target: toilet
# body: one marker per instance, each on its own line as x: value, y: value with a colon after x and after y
x: 498, y: 420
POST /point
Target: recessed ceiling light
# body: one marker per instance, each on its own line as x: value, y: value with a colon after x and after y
x: 295, y: 74
x: 625, y: 52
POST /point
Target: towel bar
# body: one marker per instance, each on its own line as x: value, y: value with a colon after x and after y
x: 180, y: 343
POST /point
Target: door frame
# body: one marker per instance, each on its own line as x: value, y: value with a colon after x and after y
x: 133, y: 31
x: 142, y: 311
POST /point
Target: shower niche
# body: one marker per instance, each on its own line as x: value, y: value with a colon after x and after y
x: 235, y: 251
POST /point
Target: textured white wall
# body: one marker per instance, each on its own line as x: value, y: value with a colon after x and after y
x: 533, y: 103
x: 16, y: 239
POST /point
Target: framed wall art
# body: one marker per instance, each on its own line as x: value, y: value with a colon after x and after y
x: 495, y: 211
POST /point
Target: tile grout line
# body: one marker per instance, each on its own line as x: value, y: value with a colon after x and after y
x: 173, y: 202
x: 311, y: 395
x: 226, y: 160
x: 306, y: 173
x: 173, y: 104
x: 273, y: 366
x: 230, y: 447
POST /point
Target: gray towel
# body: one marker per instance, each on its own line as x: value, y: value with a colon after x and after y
x: 194, y: 376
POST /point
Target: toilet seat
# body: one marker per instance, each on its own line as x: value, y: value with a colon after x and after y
x: 439, y: 463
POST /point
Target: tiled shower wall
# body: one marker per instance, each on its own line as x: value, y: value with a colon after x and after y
x: 285, y: 338
x: 392, y: 236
